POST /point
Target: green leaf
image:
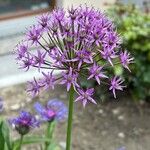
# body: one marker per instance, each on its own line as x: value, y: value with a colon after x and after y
x: 32, y: 139
x: 49, y: 132
x: 6, y: 135
x: 6, y: 147
x: 2, y: 141
x: 15, y: 147
x: 50, y: 129
x: 53, y: 146
x: 146, y: 77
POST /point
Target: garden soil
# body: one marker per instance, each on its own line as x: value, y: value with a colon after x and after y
x: 108, y: 125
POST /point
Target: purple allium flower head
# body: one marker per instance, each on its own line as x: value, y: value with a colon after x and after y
x: 85, y: 96
x: 24, y: 122
x: 54, y: 110
x: 1, y: 105
x: 116, y: 84
x: 77, y: 42
x: 126, y: 59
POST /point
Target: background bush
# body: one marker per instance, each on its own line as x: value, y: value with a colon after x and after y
x: 134, y: 27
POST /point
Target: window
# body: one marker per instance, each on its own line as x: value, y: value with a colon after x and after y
x: 18, y: 8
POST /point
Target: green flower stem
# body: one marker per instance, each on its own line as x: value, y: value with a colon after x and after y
x: 70, y: 118
x: 20, y: 142
x: 49, y: 133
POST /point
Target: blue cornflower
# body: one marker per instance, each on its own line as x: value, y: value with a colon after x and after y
x: 54, y: 110
x: 121, y: 148
x: 24, y: 122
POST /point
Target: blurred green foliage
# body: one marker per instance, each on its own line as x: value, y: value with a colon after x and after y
x: 134, y: 27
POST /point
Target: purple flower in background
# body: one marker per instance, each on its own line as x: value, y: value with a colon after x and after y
x: 24, y: 122
x: 85, y: 96
x: 76, y: 42
x: 1, y: 105
x: 122, y: 148
x: 126, y: 59
x: 54, y: 110
x: 116, y: 84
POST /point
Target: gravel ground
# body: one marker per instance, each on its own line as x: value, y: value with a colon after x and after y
x: 106, y: 126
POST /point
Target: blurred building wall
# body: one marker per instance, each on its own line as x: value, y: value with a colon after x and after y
x: 96, y: 3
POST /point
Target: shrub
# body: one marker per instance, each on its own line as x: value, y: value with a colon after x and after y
x: 134, y: 26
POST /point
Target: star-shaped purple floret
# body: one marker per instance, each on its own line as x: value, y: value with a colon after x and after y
x: 116, y: 84
x: 126, y: 59
x: 48, y: 80
x: 69, y: 79
x: 85, y: 96
x: 34, y: 34
x: 33, y: 87
x: 96, y: 72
